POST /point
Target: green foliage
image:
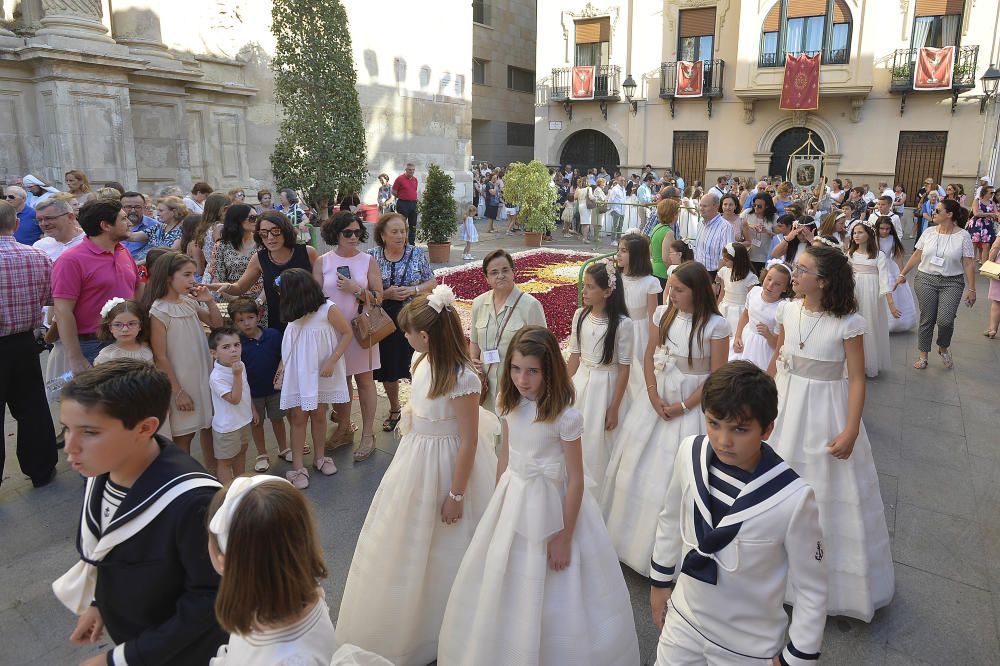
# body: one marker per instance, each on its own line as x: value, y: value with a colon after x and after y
x: 529, y: 186
x: 321, y: 143
x: 438, y: 220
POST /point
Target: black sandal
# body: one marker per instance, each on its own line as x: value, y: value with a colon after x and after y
x: 390, y: 423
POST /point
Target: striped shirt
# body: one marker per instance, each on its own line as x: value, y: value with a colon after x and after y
x: 725, y: 483
x: 25, y: 286
x: 712, y: 237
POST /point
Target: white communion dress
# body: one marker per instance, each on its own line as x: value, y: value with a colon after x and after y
x: 851, y: 513
x: 902, y: 295
x: 407, y: 558
x: 637, y: 291
x: 643, y: 457
x: 756, y: 348
x: 871, y: 284
x: 508, y: 607
x: 594, y: 383
x: 735, y: 297
x: 306, y: 344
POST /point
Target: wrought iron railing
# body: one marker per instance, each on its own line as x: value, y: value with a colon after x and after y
x: 712, y: 78
x: 777, y: 59
x: 606, y: 82
x: 963, y: 74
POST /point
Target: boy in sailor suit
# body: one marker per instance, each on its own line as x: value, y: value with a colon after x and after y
x: 738, y: 524
x: 144, y: 572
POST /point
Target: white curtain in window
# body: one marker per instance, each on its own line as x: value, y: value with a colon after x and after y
x: 949, y: 29
x: 921, y: 29
x: 814, y: 33
x: 793, y: 36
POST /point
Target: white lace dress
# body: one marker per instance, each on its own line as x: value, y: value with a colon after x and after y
x: 871, y: 284
x: 756, y: 348
x: 735, y: 298
x: 902, y: 295
x: 851, y: 513
x: 306, y: 344
x: 507, y: 605
x: 595, y: 387
x: 637, y: 290
x: 643, y: 457
x: 406, y: 558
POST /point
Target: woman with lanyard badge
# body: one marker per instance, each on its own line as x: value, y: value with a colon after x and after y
x: 945, y: 261
x: 496, y: 316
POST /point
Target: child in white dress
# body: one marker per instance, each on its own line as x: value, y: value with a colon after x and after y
x: 757, y: 331
x: 687, y: 340
x: 735, y: 279
x: 829, y: 447
x: 262, y: 540
x: 600, y: 346
x: 540, y: 582
x: 312, y: 372
x: 431, y: 497
x: 641, y: 291
x: 873, y: 292
x: 902, y: 295
x: 468, y: 233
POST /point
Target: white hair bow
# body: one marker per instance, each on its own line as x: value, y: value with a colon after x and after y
x: 441, y: 297
x: 223, y: 518
x: 110, y: 304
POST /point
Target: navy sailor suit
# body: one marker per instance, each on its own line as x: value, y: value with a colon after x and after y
x: 156, y: 590
x: 738, y: 538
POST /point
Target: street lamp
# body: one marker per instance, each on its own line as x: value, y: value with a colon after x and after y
x: 629, y: 87
x: 990, y: 79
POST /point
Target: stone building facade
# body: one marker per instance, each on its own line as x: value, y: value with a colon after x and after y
x: 150, y: 93
x: 871, y: 125
x: 503, y: 83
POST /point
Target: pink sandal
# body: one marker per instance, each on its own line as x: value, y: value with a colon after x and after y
x: 298, y: 478
x: 325, y: 466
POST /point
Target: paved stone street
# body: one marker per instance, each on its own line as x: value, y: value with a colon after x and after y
x: 934, y: 435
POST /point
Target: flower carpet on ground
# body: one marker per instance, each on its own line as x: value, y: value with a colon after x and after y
x: 548, y: 275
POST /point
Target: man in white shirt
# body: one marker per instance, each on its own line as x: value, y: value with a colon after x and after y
x: 644, y: 195
x: 38, y: 190
x: 883, y: 208
x: 714, y: 234
x: 984, y: 181
x: 58, y: 223
x: 719, y: 189
x: 885, y: 190
x: 616, y: 197
x: 868, y: 196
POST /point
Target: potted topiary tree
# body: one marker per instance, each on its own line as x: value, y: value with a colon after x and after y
x: 530, y: 188
x: 438, y: 217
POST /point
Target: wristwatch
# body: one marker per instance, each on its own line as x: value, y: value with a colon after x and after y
x: 457, y: 498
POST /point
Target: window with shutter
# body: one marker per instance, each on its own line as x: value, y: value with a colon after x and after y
x: 593, y: 39
x: 937, y: 23
x: 696, y: 34
x: 939, y: 7
x: 806, y: 26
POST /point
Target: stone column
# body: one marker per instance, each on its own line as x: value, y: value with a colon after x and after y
x: 135, y: 25
x: 7, y: 38
x: 76, y: 19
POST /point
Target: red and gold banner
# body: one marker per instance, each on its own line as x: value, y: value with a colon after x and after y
x: 690, y: 78
x: 800, y: 90
x: 934, y: 67
x: 583, y: 83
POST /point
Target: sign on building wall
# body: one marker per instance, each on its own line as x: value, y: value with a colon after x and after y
x: 690, y: 78
x: 583, y: 83
x: 934, y: 67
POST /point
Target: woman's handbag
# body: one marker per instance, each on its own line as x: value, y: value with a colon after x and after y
x: 990, y: 269
x: 372, y: 325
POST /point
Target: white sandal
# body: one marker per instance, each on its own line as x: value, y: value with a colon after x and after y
x: 262, y: 463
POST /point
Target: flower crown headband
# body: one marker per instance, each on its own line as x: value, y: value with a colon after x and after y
x: 611, y: 267
x: 110, y: 306
x: 771, y: 263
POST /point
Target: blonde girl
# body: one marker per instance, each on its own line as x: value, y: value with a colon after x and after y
x: 468, y: 233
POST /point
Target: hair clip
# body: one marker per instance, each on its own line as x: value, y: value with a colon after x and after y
x: 277, y: 282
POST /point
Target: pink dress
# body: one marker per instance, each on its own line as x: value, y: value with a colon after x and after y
x: 356, y: 358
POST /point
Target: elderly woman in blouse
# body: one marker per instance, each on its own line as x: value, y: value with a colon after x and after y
x: 496, y: 316
x: 406, y: 272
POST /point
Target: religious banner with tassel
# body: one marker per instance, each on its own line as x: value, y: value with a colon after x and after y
x: 800, y: 90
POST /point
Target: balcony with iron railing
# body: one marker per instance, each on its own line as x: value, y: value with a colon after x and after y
x: 904, y: 63
x: 830, y: 57
x: 712, y: 76
x: 606, y: 83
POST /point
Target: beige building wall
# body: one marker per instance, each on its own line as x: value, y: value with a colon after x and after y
x: 151, y: 93
x: 858, y: 118
x: 505, y: 37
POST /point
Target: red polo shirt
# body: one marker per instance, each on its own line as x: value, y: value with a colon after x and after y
x: 91, y: 276
x: 405, y: 187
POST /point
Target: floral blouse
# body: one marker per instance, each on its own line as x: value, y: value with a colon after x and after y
x: 412, y: 269
x: 160, y: 237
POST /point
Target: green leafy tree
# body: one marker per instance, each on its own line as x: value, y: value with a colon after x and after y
x: 321, y: 141
x: 438, y: 218
x: 529, y: 186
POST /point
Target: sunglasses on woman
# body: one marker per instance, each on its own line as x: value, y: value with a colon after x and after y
x: 351, y: 233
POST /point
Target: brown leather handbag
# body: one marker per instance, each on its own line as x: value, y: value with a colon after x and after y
x: 371, y: 325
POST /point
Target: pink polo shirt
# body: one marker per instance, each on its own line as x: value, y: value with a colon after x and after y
x: 91, y: 276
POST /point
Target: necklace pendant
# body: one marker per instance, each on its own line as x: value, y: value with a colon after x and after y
x: 802, y: 345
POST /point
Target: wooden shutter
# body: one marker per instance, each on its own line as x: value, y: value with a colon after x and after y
x: 841, y: 12
x: 593, y: 31
x: 800, y: 8
x: 772, y: 20
x: 919, y: 155
x: 690, y: 155
x: 939, y: 8
x: 697, y: 22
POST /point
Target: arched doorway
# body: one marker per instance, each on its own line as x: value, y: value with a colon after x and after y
x: 590, y: 149
x: 785, y: 143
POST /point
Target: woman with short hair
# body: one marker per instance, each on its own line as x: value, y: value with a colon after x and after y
x: 196, y: 200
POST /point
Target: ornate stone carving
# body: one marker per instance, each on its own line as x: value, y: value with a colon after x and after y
x: 80, y: 19
x: 85, y: 8
x: 856, y: 105
x: 800, y: 118
x: 589, y: 11
x: 748, y: 111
